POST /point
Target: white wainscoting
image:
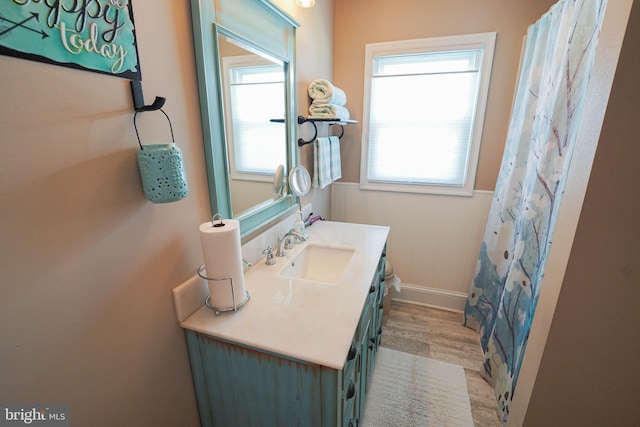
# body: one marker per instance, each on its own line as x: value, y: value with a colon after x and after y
x: 434, y: 239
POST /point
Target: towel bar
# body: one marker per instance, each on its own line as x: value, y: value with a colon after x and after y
x: 313, y: 121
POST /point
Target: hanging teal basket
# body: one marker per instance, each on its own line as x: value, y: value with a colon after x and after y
x: 164, y: 179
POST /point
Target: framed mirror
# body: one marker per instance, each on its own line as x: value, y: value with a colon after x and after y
x: 246, y: 82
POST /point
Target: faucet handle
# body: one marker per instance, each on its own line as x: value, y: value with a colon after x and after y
x: 270, y: 259
x: 288, y: 244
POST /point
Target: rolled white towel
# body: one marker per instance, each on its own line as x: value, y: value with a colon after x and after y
x: 328, y: 111
x: 323, y: 92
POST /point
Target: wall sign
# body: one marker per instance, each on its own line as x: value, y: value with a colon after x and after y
x: 93, y: 35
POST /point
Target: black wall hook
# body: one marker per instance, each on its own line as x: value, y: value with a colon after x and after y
x: 138, y: 98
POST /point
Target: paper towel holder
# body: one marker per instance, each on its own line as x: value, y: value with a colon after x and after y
x: 213, y: 218
x: 236, y: 305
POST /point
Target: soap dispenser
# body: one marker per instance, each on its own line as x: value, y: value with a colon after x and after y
x: 298, y: 225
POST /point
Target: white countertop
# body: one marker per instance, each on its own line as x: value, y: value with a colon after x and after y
x: 305, y: 320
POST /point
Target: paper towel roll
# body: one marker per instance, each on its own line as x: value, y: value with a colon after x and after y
x: 222, y: 253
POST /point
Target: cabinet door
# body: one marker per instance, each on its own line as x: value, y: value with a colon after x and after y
x: 372, y: 343
x: 239, y: 386
x: 378, y: 308
x: 350, y: 384
x: 379, y: 312
x: 364, y: 361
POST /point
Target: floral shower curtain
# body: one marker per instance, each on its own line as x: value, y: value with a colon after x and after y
x: 553, y: 78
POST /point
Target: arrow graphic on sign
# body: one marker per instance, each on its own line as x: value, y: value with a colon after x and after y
x: 21, y: 25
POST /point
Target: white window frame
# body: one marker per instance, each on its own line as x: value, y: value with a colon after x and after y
x: 484, y: 41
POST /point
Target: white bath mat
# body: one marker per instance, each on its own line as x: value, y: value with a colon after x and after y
x: 409, y: 390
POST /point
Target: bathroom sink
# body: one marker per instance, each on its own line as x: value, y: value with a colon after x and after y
x: 319, y: 263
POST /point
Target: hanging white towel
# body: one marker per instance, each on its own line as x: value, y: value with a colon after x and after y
x: 336, y: 163
x: 327, y: 166
x: 321, y: 163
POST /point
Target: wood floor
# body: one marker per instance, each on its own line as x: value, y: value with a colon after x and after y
x: 439, y: 334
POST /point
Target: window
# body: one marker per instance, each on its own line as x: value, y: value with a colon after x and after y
x: 423, y: 113
x: 252, y: 89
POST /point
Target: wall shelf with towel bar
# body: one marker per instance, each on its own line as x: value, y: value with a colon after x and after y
x: 313, y: 120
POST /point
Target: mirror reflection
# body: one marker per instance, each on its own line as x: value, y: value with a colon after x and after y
x: 253, y: 92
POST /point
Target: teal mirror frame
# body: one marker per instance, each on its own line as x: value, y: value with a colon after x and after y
x: 261, y: 25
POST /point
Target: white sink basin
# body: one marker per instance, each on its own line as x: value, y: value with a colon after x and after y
x: 319, y: 263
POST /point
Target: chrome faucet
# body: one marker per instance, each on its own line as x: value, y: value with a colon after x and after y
x: 285, y: 241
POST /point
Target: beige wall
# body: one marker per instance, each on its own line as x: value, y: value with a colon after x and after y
x: 367, y: 21
x: 86, y: 263
x: 314, y: 41
x: 442, y: 233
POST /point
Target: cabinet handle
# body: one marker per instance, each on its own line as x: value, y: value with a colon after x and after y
x: 372, y: 289
x: 372, y: 343
x: 351, y: 390
x: 352, y: 352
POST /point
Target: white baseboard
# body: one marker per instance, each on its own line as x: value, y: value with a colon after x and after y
x: 430, y: 297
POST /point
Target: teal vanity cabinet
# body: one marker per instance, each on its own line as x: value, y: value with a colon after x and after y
x: 239, y: 385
